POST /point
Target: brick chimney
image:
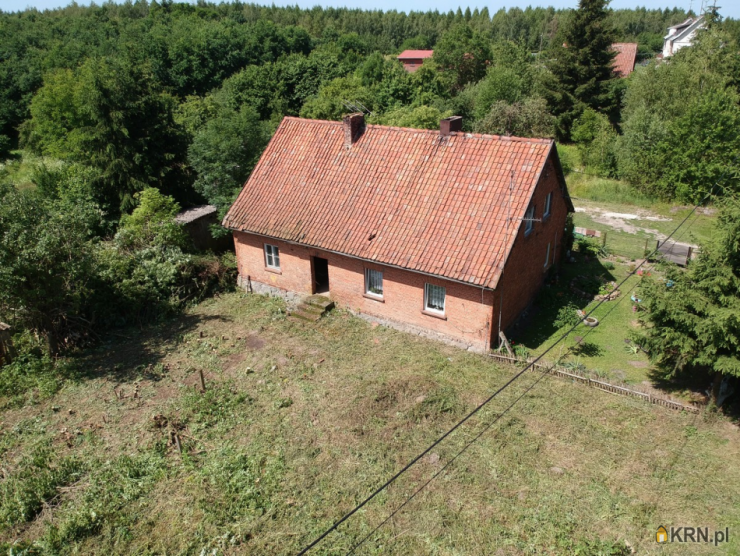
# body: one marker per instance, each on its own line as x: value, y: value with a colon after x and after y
x: 448, y: 125
x: 353, y: 125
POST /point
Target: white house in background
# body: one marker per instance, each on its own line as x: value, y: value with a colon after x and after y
x: 681, y: 35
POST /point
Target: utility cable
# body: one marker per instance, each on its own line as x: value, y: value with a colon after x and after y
x: 543, y: 374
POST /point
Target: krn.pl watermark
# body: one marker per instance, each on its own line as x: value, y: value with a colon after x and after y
x: 692, y: 535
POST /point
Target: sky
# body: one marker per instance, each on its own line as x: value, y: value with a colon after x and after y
x: 729, y: 8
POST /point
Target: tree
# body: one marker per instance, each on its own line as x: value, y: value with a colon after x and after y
x: 224, y: 152
x: 108, y: 115
x: 329, y: 103
x: 693, y: 326
x: 421, y: 117
x: 464, y: 54
x: 582, y: 62
x: 47, y: 264
x: 680, y: 120
x: 530, y: 118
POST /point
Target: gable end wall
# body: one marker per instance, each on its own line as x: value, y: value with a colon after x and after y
x: 525, y: 272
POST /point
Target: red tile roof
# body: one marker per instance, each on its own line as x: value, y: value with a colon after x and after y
x: 432, y: 204
x: 624, y: 61
x: 415, y: 54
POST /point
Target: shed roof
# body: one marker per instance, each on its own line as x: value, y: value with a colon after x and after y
x: 403, y: 197
x: 194, y: 213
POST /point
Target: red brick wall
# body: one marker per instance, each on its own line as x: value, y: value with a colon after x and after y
x: 467, y: 319
x: 525, y: 271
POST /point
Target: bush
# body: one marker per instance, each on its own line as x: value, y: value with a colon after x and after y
x: 595, y: 137
x: 567, y: 316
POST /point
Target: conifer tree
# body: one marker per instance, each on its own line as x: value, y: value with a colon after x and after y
x: 581, y: 62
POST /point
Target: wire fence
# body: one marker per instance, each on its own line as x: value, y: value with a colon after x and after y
x: 575, y: 375
x: 635, y: 247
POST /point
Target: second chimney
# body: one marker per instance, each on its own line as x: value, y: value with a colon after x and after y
x: 448, y: 125
x: 353, y: 125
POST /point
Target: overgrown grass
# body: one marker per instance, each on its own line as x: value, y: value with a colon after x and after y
x: 604, y: 190
x: 21, y: 167
x: 569, y: 470
x: 603, y: 350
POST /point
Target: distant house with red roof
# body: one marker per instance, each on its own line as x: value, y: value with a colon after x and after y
x: 624, y: 61
x: 413, y: 59
x: 446, y: 233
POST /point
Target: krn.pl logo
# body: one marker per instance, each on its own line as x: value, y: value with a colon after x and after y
x: 662, y: 535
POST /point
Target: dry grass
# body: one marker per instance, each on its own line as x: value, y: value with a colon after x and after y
x: 300, y: 422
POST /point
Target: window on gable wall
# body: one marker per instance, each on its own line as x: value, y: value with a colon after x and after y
x: 547, y: 256
x: 529, y: 220
x: 548, y: 203
x: 272, y: 256
x: 374, y: 282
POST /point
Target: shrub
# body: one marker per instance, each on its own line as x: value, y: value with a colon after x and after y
x: 567, y: 316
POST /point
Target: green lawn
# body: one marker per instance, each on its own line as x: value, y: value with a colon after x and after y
x: 603, y: 350
x: 299, y: 422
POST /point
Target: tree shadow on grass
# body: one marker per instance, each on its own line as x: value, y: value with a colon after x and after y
x: 587, y: 349
x: 129, y: 354
x: 697, y: 386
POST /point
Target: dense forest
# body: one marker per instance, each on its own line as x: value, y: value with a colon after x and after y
x: 146, y: 108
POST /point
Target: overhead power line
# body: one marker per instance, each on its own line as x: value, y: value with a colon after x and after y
x: 406, y: 467
x: 481, y: 433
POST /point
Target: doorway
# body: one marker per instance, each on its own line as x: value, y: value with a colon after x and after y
x: 320, y: 275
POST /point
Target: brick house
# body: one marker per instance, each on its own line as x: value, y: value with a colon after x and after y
x: 413, y: 59
x: 443, y: 232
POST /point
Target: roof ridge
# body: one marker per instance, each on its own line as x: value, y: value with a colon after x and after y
x: 515, y: 138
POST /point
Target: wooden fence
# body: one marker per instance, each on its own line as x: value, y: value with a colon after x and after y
x: 573, y: 375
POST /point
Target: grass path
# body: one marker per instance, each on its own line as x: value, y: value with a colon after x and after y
x: 300, y: 422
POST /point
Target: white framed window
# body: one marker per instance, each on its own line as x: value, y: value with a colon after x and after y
x: 529, y: 220
x: 374, y: 282
x: 548, y: 203
x: 547, y: 256
x: 272, y: 256
x: 434, y: 298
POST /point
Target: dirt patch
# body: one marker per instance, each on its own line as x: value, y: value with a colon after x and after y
x: 639, y: 364
x: 622, y: 220
x: 254, y: 342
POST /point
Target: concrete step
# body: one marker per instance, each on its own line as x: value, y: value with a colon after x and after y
x: 306, y: 315
x: 306, y: 308
x: 321, y: 301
